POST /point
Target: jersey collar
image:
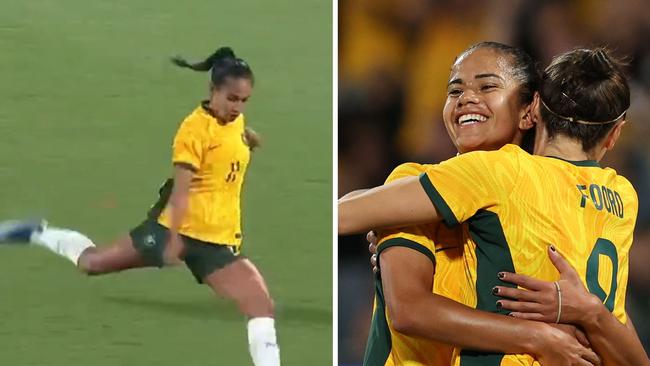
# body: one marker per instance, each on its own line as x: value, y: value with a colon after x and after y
x: 587, y: 163
x: 205, y: 105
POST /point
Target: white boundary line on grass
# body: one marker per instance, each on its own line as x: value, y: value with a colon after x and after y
x: 335, y: 120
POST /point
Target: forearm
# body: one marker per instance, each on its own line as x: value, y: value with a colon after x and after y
x: 179, y: 199
x: 397, y: 204
x: 444, y: 320
x: 353, y: 194
x: 608, y: 337
x: 178, y: 204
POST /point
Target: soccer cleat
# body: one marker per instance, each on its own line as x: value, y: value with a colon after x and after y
x: 20, y: 231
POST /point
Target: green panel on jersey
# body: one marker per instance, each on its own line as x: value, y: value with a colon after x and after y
x: 492, y: 256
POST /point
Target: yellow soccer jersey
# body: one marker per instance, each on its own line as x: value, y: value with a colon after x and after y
x: 516, y: 204
x: 219, y: 155
x: 444, y: 247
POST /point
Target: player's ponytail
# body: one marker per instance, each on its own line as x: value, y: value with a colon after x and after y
x: 223, y: 63
x: 205, y: 65
x: 583, y: 93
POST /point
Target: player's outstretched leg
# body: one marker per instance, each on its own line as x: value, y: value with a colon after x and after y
x: 20, y: 231
x: 243, y: 283
x: 74, y: 246
x: 68, y: 244
x: 115, y: 257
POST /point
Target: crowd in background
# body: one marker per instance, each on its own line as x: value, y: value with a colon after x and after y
x: 394, y: 62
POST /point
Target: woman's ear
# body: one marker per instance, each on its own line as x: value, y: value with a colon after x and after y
x: 526, y: 120
x: 613, y: 135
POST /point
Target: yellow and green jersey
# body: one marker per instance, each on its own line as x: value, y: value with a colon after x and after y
x: 515, y: 205
x: 444, y: 247
x: 219, y: 156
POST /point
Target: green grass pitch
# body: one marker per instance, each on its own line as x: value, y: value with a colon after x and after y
x: 88, y: 106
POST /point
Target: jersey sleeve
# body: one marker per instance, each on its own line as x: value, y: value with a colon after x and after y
x: 405, y: 170
x: 414, y: 237
x: 189, y: 146
x: 461, y: 186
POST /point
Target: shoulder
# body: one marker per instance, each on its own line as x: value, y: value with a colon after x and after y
x: 509, y: 155
x: 418, y: 238
x: 509, y: 152
x: 406, y: 170
x: 197, y: 121
x: 626, y: 188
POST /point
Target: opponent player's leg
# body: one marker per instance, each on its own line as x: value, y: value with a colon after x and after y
x: 242, y: 282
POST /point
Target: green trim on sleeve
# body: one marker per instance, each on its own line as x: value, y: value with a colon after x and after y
x: 186, y: 165
x: 403, y: 242
x: 437, y: 200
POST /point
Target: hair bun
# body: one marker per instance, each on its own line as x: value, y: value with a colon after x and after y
x: 598, y: 64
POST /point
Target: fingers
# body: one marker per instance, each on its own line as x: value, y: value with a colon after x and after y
x: 523, y: 281
x: 530, y: 316
x: 371, y: 237
x: 582, y: 338
x: 515, y: 293
x: 519, y: 306
x: 583, y: 362
x: 591, y: 357
x: 562, y: 265
x: 372, y: 248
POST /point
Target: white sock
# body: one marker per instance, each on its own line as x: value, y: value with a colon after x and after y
x: 262, y: 342
x: 66, y: 243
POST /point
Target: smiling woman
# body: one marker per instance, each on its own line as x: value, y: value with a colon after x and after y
x: 489, y: 83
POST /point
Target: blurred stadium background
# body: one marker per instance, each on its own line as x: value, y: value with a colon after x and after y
x: 394, y: 61
x: 89, y: 104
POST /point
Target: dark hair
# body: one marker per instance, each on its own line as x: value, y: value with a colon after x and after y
x: 525, y: 70
x: 222, y: 63
x: 583, y: 93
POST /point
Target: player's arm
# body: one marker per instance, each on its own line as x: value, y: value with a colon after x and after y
x: 353, y: 194
x: 540, y: 301
x: 178, y: 203
x: 179, y: 198
x: 187, y: 154
x: 415, y: 311
x: 400, y: 203
x: 609, y: 337
x: 452, y: 191
x: 253, y: 139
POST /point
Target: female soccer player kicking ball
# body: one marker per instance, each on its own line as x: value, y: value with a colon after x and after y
x: 197, y: 217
